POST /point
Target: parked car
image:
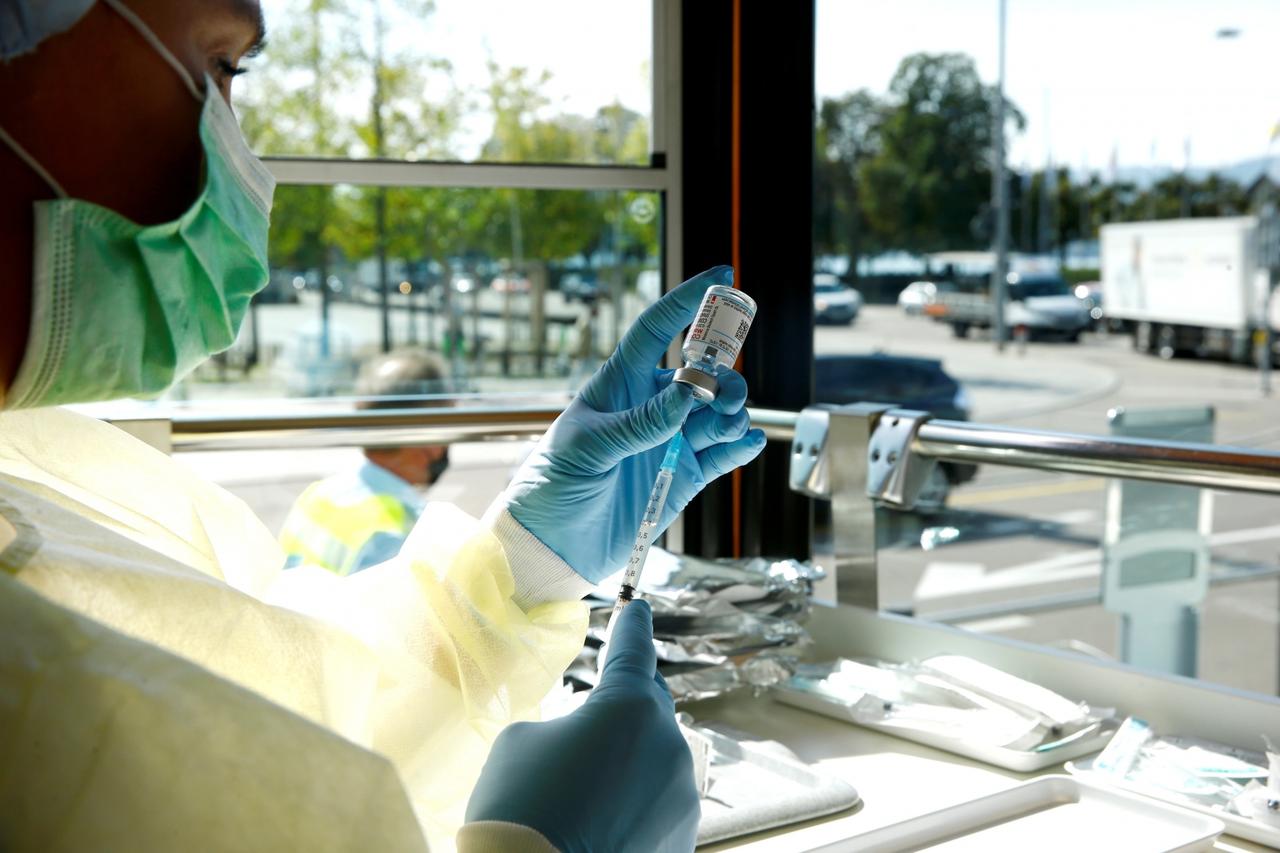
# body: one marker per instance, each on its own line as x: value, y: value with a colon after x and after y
x: 1041, y: 304
x: 579, y: 286
x: 905, y: 382
x: 834, y: 302
x: 511, y: 283
x: 915, y: 296
x: 918, y: 294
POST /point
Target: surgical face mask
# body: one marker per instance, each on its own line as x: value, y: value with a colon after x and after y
x: 121, y: 309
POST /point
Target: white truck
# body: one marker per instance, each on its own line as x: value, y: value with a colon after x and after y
x: 1188, y: 286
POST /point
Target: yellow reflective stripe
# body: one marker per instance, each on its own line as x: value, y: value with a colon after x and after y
x: 329, y: 532
x: 314, y: 543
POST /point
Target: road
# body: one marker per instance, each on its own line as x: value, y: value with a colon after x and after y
x: 1010, y: 535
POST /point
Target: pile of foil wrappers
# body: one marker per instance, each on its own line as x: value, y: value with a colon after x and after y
x: 718, y: 625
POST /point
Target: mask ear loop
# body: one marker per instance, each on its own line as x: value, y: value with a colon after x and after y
x: 32, y: 163
x: 157, y: 45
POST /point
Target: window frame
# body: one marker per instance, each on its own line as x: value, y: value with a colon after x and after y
x: 663, y: 175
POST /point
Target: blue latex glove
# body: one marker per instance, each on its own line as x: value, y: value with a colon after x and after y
x: 583, y: 490
x: 615, y: 774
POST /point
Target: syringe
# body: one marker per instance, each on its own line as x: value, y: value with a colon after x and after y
x: 645, y: 536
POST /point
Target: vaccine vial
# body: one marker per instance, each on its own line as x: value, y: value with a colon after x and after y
x: 719, y: 329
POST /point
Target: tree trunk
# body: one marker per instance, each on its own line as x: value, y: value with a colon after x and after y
x: 538, y: 276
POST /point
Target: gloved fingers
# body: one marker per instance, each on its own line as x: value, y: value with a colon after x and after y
x: 664, y: 692
x: 650, y: 424
x: 732, y: 395
x: 648, y: 338
x: 706, y: 427
x: 662, y: 682
x: 723, y: 458
x: 631, y: 649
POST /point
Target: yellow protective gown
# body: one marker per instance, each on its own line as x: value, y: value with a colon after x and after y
x: 164, y: 684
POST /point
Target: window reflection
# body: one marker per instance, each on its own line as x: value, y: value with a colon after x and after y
x: 1104, y: 134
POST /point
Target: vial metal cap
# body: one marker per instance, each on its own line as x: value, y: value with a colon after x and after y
x: 705, y: 387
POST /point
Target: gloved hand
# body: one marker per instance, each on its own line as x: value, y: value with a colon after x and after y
x: 615, y: 774
x: 583, y: 490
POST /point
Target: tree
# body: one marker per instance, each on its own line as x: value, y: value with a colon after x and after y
x: 929, y: 178
x: 291, y: 111
x: 1177, y: 196
x: 325, y: 52
x: 846, y: 139
x: 403, y: 123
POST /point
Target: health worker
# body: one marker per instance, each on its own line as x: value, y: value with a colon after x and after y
x: 164, y: 682
x: 361, y: 516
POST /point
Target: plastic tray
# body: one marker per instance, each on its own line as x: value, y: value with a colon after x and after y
x: 1237, y: 825
x: 1021, y: 761
x: 1052, y: 814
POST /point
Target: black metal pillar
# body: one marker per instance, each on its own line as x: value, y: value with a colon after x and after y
x: 755, y: 179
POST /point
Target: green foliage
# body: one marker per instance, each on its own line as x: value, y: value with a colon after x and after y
x: 335, y: 81
x: 930, y: 175
x: 912, y: 171
x: 1079, y: 276
x: 846, y: 139
x: 1077, y: 209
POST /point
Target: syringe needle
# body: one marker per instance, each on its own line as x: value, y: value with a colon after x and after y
x: 644, y: 537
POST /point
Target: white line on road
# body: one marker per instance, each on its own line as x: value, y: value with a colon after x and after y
x: 944, y: 580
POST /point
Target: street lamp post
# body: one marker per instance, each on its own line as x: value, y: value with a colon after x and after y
x: 1000, y: 204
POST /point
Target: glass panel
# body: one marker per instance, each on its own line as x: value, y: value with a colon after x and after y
x: 271, y: 481
x: 472, y: 80
x: 515, y: 291
x: 1142, y: 257
x: 1025, y: 555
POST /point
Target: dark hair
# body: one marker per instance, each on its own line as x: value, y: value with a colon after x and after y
x: 401, y: 379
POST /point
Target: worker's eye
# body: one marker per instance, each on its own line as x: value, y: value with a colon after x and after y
x: 227, y: 69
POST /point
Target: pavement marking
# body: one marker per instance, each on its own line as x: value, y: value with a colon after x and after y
x: 1034, y: 490
x: 1076, y: 517
x: 942, y: 579
x: 996, y: 624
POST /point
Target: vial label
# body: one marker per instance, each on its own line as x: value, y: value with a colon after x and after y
x: 722, y: 324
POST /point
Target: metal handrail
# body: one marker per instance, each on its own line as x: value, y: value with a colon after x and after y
x: 1181, y: 463
x: 358, y: 428
x: 390, y: 427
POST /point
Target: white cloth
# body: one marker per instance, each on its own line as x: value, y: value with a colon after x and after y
x: 164, y: 684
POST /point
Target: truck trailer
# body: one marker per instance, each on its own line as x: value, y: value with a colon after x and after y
x: 1188, y: 286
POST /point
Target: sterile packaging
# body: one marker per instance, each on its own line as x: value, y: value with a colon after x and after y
x: 719, y: 625
x: 950, y: 697
x: 1240, y: 786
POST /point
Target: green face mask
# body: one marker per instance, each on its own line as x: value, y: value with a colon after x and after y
x: 120, y: 309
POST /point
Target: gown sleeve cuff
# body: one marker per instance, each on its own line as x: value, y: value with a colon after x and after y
x: 540, y: 575
x: 498, y: 836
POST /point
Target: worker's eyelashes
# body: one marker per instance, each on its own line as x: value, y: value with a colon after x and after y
x: 229, y: 69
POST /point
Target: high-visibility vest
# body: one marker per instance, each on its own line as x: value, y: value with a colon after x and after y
x: 350, y: 521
